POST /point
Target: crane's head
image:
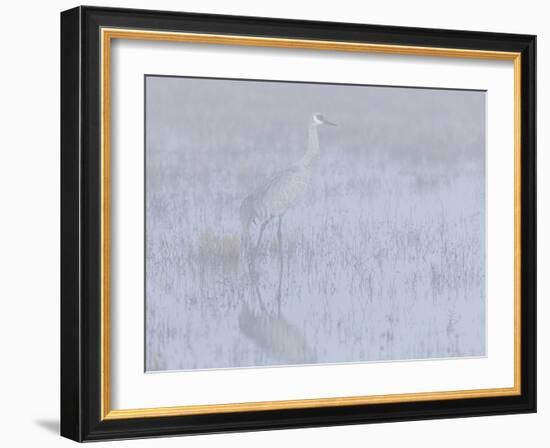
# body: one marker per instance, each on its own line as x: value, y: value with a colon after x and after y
x: 317, y: 119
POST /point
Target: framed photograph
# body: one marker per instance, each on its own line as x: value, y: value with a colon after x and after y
x: 272, y: 223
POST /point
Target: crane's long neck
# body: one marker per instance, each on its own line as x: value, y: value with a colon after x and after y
x: 313, y: 149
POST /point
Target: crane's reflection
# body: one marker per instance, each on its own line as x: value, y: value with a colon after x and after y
x: 263, y: 322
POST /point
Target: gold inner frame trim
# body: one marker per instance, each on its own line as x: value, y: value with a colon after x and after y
x: 107, y: 35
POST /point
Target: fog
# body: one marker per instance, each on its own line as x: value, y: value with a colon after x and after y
x: 382, y: 258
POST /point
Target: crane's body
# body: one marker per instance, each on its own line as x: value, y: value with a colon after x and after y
x: 284, y: 189
x: 278, y: 195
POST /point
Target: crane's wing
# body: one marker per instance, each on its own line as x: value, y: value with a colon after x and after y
x: 280, y: 192
x: 279, y: 179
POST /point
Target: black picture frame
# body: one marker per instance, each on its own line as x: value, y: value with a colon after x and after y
x: 81, y: 224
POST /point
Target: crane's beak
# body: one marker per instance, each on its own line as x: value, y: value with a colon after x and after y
x: 330, y: 123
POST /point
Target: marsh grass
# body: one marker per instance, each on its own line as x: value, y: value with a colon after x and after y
x: 383, y: 257
x: 377, y: 265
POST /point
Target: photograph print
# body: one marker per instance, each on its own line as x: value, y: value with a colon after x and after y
x: 297, y: 223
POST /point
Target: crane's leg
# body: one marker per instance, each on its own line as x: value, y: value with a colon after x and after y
x: 262, y: 228
x: 254, y: 250
x: 254, y: 281
x: 254, y: 277
x: 280, y: 241
x: 257, y: 290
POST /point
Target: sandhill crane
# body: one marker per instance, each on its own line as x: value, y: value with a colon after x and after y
x: 282, y: 190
